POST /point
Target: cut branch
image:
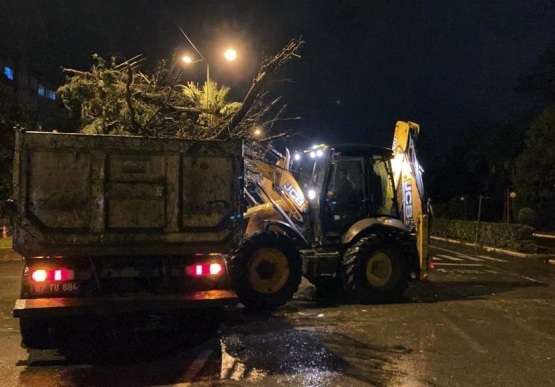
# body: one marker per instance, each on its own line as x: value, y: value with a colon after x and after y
x: 268, y: 68
x: 134, y: 124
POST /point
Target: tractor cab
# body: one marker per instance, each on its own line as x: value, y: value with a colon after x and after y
x: 344, y: 184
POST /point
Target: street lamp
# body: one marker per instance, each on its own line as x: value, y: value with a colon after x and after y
x: 463, y: 198
x: 512, y: 196
x: 230, y: 55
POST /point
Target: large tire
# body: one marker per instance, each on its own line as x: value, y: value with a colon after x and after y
x: 266, y: 271
x: 373, y: 271
x: 35, y: 334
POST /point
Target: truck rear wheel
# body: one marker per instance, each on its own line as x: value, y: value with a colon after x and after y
x: 373, y: 271
x: 35, y: 334
x: 266, y: 271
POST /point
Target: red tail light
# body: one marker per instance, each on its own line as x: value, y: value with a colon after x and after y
x: 55, y: 275
x: 204, y: 269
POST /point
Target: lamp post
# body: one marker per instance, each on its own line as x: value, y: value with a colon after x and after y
x: 463, y: 199
x: 478, y: 220
x: 230, y: 55
x: 188, y: 60
x: 512, y: 195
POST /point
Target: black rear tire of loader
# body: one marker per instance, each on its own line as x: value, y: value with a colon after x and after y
x: 373, y: 271
x: 35, y: 334
x: 266, y: 271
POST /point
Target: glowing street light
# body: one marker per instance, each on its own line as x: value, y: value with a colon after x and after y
x: 230, y: 54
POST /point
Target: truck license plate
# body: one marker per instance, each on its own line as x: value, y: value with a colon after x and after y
x: 66, y: 287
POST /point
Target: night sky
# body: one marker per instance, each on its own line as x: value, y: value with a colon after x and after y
x: 450, y: 65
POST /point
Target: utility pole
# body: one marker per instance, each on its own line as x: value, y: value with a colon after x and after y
x: 508, y: 205
x: 478, y: 221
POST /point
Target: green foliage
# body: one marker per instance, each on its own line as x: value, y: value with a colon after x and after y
x: 212, y: 99
x: 535, y: 174
x: 460, y: 230
x: 516, y: 237
x: 526, y: 216
x: 6, y: 242
x: 120, y: 99
x: 12, y: 113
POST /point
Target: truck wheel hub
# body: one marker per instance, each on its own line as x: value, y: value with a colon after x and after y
x: 268, y: 270
x: 378, y: 269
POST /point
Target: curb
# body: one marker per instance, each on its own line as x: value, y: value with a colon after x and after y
x: 7, y: 254
x: 548, y: 258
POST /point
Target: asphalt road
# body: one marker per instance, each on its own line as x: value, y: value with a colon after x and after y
x: 484, y: 319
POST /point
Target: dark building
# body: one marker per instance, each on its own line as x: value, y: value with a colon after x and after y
x: 37, y: 94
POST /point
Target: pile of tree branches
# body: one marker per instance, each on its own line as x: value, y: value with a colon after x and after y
x: 119, y: 98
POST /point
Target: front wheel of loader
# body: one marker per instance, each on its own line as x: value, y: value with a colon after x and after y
x: 373, y: 271
x: 266, y: 271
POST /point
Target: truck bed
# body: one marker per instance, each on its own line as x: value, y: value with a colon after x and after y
x: 96, y: 195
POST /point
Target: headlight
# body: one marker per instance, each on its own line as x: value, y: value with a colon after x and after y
x: 311, y: 194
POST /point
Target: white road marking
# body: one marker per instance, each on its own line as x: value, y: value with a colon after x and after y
x: 442, y: 249
x: 492, y: 259
x: 519, y: 276
x: 469, y: 340
x: 194, y: 368
x: 450, y: 258
x: 457, y: 264
x: 472, y: 258
x: 469, y: 257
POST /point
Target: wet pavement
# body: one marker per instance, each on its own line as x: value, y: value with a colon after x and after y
x: 484, y: 319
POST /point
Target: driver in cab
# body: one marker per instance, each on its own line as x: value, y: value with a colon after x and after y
x: 345, y: 195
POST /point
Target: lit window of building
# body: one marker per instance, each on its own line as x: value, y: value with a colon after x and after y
x: 41, y: 90
x: 8, y: 72
x: 51, y: 95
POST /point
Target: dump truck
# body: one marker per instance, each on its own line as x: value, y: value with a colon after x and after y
x: 113, y: 225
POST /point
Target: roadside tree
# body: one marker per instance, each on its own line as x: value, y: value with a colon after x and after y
x: 535, y: 169
x: 12, y: 113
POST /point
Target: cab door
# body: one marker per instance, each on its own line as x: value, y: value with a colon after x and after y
x: 345, y: 198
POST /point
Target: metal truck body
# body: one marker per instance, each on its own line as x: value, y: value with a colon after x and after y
x: 110, y: 224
